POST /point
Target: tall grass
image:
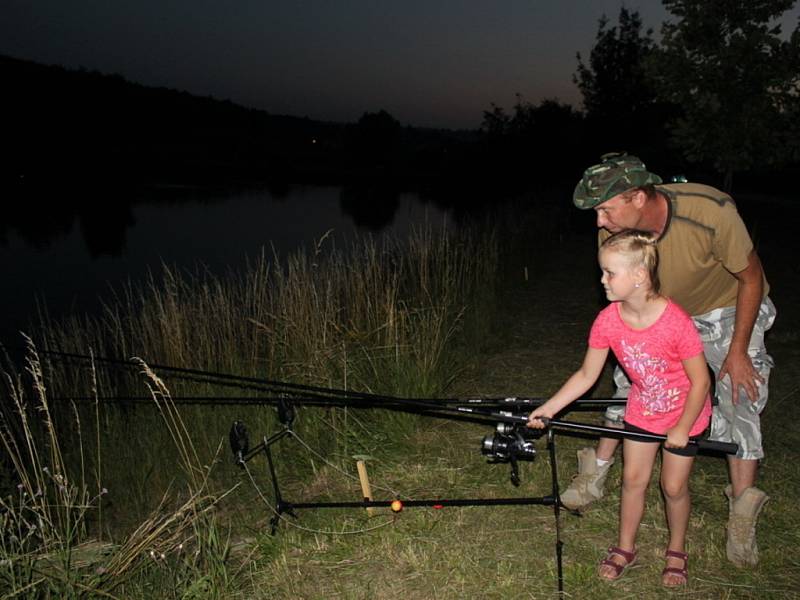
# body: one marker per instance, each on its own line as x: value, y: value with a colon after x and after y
x: 391, y: 316
x: 322, y: 315
x: 49, y: 524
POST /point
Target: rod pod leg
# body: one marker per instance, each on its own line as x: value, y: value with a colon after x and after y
x: 551, y: 446
x: 280, y: 506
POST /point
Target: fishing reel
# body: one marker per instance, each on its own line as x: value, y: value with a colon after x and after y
x: 511, y: 443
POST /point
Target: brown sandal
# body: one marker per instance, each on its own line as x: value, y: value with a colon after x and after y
x: 679, y: 571
x: 619, y: 569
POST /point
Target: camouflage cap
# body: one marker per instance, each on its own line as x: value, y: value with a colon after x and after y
x: 618, y: 173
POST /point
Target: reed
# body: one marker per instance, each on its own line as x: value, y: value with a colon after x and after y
x: 51, y: 521
x: 387, y: 316
x: 391, y: 316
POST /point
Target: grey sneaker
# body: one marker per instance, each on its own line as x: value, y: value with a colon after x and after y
x: 587, y: 486
x: 741, y: 547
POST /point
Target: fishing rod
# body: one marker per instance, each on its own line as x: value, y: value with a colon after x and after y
x: 700, y: 442
x: 489, y: 415
x: 387, y: 402
x: 302, y: 391
x: 512, y: 441
x: 320, y: 396
x: 509, y: 443
x: 217, y: 378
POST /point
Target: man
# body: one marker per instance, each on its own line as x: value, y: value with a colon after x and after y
x: 709, y: 266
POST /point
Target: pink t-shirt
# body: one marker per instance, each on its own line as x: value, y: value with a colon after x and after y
x: 652, y: 359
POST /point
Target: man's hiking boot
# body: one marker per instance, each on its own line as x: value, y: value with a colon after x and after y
x: 587, y: 486
x: 742, y: 549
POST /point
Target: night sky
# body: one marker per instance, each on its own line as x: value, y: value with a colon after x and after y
x: 436, y: 63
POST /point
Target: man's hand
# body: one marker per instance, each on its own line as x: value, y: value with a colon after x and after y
x: 739, y: 367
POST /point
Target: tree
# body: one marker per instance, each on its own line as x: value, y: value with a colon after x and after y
x: 496, y: 122
x: 621, y: 105
x: 376, y: 138
x: 614, y: 83
x: 736, y: 79
x: 533, y: 141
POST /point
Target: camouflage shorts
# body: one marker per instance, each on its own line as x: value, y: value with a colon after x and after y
x: 730, y: 422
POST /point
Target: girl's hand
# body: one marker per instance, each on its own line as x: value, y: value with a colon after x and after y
x: 676, y: 438
x: 534, y: 419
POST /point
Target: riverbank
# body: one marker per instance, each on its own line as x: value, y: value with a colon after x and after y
x: 545, y: 302
x: 509, y: 552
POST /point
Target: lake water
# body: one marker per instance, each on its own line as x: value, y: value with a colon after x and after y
x: 67, y: 266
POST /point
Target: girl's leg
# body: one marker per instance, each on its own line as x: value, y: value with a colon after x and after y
x: 639, y: 458
x: 638, y: 466
x: 675, y: 472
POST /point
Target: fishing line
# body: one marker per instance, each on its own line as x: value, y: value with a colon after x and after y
x: 291, y: 523
x: 334, y: 466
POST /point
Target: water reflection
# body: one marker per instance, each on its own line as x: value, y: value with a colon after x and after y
x: 104, y: 228
x: 67, y: 249
x: 40, y: 217
x: 371, y: 207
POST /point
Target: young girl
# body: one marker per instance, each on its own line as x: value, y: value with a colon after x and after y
x: 657, y: 344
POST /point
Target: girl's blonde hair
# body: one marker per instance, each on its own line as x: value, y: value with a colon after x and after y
x: 639, y: 248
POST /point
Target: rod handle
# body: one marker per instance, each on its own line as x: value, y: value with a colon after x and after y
x: 702, y: 443
x: 715, y: 446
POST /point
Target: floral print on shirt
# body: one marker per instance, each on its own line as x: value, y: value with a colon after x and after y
x: 653, y: 396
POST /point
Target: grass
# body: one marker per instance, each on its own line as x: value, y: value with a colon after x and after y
x: 385, y: 317
x: 535, y: 341
x: 388, y: 318
x: 46, y: 548
x: 509, y: 552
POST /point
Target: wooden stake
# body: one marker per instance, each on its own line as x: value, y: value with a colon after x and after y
x: 365, y: 489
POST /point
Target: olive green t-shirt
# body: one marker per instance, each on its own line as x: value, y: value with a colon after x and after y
x: 704, y: 242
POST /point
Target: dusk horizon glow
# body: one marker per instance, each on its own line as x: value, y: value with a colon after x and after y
x: 429, y: 64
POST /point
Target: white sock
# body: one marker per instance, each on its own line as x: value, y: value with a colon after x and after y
x: 600, y: 462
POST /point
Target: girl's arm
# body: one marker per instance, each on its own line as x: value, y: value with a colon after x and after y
x: 577, y: 385
x: 697, y: 372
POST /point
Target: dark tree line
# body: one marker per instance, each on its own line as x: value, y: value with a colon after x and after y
x: 88, y: 126
x: 720, y: 93
x: 61, y: 125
